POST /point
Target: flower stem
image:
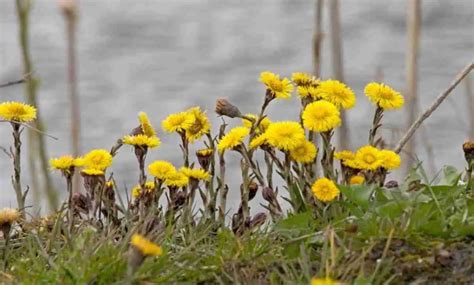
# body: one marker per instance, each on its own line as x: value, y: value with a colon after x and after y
x: 327, y: 161
x: 375, y: 125
x: 16, y: 179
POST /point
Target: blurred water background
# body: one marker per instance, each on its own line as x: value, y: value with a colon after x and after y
x: 164, y: 56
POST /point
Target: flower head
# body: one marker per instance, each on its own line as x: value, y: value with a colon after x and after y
x: 200, y: 125
x: 8, y: 216
x: 161, y: 169
x: 17, y: 111
x: 264, y: 123
x: 279, y: 88
x: 337, y: 93
x: 145, y: 246
x: 176, y: 179
x: 368, y: 158
x: 205, y: 152
x: 390, y: 160
x: 204, y: 157
x: 321, y: 116
x: 325, y: 190
x: 137, y: 190
x: 195, y: 173
x: 92, y: 172
x: 356, y: 180
x: 305, y: 152
x: 178, y: 122
x: 232, y: 139
x: 323, y: 281
x: 145, y: 125
x: 303, y: 79
x: 347, y: 158
x: 285, y: 135
x: 65, y: 163
x: 383, y: 96
x: 98, y: 159
x: 258, y: 141
x: 142, y: 140
x: 344, y: 155
x: 306, y: 85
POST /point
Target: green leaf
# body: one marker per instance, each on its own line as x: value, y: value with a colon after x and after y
x: 359, y: 194
x: 301, y: 221
x: 451, y: 176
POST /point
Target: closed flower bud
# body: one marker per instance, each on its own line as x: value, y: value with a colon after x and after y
x: 258, y: 220
x: 468, y: 148
x: 225, y: 108
x: 391, y: 184
x: 268, y: 194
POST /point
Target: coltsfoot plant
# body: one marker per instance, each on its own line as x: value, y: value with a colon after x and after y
x: 326, y: 209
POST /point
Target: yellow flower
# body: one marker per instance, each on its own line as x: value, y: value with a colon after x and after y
x: 200, y: 125
x: 305, y: 152
x: 137, y: 190
x: 178, y: 122
x: 176, y: 179
x: 321, y: 116
x: 356, y: 180
x: 195, y: 173
x: 383, y: 96
x: 303, y: 79
x: 280, y: 88
x: 8, y: 216
x: 264, y: 123
x: 205, y: 152
x: 337, y: 93
x: 325, y: 190
x: 142, y: 140
x: 368, y: 158
x: 146, y: 126
x: 161, y: 169
x: 306, y: 85
x: 347, y: 157
x: 285, y: 135
x: 344, y: 154
x: 65, y: 163
x: 308, y: 92
x: 98, y: 159
x: 92, y: 172
x: 145, y: 246
x: 390, y: 160
x: 258, y: 141
x: 17, y: 111
x: 323, y: 281
x: 232, y: 139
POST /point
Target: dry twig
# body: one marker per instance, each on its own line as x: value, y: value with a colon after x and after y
x: 406, y: 137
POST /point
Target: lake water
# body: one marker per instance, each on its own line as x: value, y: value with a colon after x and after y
x: 164, y: 56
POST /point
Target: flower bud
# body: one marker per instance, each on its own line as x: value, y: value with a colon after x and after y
x: 225, y: 108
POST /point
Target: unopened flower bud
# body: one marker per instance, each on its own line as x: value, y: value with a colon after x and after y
x: 225, y: 108
x: 268, y: 194
x: 391, y: 184
x: 468, y: 148
x: 258, y: 220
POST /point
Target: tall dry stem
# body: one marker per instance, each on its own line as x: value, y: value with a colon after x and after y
x: 69, y: 8
x: 413, y: 30
x: 337, y: 64
x: 37, y: 153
